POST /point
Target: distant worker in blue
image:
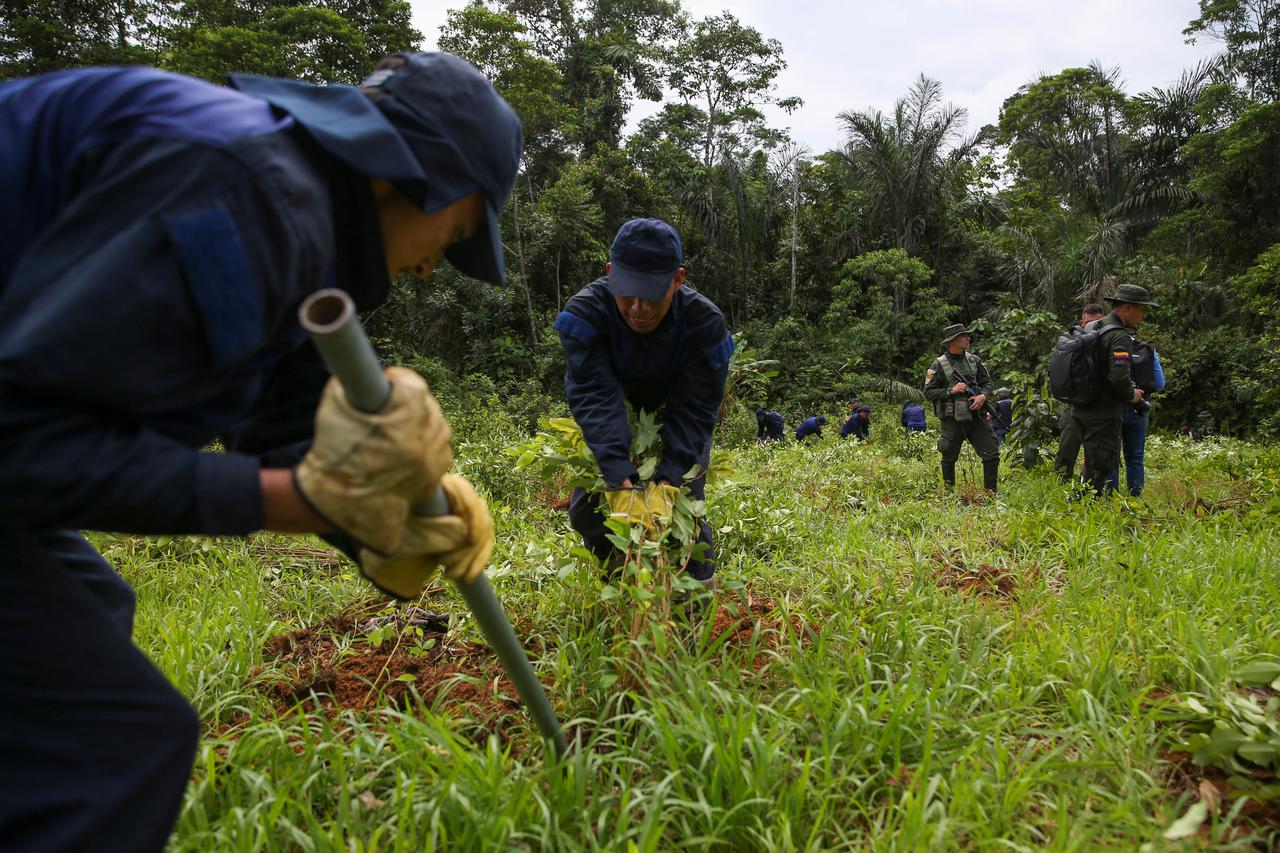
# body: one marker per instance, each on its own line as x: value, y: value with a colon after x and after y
x: 769, y: 426
x: 913, y: 419
x: 639, y: 335
x: 1004, y: 408
x: 858, y: 424
x: 159, y: 233
x: 810, y: 426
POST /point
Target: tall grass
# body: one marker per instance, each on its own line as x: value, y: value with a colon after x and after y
x: 881, y: 705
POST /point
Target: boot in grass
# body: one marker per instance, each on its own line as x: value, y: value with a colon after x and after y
x: 949, y: 475
x: 991, y: 475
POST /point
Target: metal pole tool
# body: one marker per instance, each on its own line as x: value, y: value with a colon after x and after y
x: 329, y: 316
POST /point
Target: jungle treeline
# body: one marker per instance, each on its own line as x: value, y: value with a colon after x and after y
x: 840, y: 265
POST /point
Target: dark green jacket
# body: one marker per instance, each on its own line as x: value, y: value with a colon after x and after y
x: 1115, y: 371
x: 942, y: 375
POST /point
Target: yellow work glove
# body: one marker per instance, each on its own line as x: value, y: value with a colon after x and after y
x: 461, y: 541
x: 660, y: 498
x: 362, y: 470
x: 629, y: 505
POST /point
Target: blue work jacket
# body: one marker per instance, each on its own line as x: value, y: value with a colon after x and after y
x: 679, y: 368
x: 808, y: 427
x: 160, y: 233
x: 771, y: 428
x: 913, y: 419
x: 858, y: 424
x: 1005, y: 408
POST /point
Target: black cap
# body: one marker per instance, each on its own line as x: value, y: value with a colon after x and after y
x: 645, y: 256
x: 1132, y: 294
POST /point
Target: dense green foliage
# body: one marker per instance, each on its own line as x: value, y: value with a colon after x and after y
x: 925, y: 674
x: 1080, y: 182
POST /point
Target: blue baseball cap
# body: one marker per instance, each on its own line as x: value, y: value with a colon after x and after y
x: 434, y: 128
x: 645, y: 256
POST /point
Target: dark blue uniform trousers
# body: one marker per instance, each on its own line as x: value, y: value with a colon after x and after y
x: 96, y: 746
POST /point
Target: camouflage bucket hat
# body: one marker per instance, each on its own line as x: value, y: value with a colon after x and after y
x: 1132, y: 294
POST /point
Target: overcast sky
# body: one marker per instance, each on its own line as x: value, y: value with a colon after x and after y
x: 855, y: 54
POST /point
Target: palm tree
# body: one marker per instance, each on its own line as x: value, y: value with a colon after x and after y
x: 910, y: 168
x: 907, y: 163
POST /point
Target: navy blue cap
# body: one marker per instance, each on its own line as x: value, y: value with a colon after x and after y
x: 438, y: 133
x: 645, y: 256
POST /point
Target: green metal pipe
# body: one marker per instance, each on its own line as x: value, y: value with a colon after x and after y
x: 329, y: 316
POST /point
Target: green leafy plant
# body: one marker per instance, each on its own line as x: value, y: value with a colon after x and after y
x: 749, y: 376
x: 641, y: 580
x: 1034, y: 425
x: 1236, y: 728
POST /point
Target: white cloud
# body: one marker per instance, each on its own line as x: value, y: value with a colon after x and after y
x: 855, y: 54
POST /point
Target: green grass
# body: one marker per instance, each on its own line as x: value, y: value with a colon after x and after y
x: 902, y: 714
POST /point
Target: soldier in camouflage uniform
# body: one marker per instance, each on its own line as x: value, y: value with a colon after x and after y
x: 1069, y: 440
x: 959, y: 414
x: 1099, y: 423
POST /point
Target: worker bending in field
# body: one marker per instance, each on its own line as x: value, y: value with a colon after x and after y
x: 160, y: 233
x: 638, y: 335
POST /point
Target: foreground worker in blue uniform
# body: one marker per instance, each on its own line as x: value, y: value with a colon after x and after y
x: 160, y: 233
x: 638, y: 335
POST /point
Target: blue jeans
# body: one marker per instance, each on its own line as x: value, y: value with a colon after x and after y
x: 1133, y: 440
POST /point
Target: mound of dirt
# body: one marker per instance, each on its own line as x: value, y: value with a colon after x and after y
x: 756, y: 617
x: 365, y: 658
x: 951, y: 573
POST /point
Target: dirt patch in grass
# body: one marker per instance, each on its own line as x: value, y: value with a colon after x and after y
x: 554, y: 495
x: 736, y: 623
x: 366, y: 658
x: 951, y: 572
x: 973, y: 496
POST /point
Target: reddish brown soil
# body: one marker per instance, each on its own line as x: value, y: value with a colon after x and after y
x: 759, y: 615
x: 333, y: 666
x: 950, y: 572
x: 554, y: 496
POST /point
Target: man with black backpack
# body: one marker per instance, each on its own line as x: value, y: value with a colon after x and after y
x: 958, y: 385
x: 1069, y: 439
x: 1094, y: 372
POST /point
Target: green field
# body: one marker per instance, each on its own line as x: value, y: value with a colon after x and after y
x: 907, y: 670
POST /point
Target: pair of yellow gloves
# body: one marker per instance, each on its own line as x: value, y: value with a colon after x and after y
x: 644, y: 508
x: 365, y: 472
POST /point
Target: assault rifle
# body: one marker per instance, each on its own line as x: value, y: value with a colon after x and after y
x: 971, y: 390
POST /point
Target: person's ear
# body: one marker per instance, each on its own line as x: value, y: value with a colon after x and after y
x: 608, y: 265
x: 678, y: 281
